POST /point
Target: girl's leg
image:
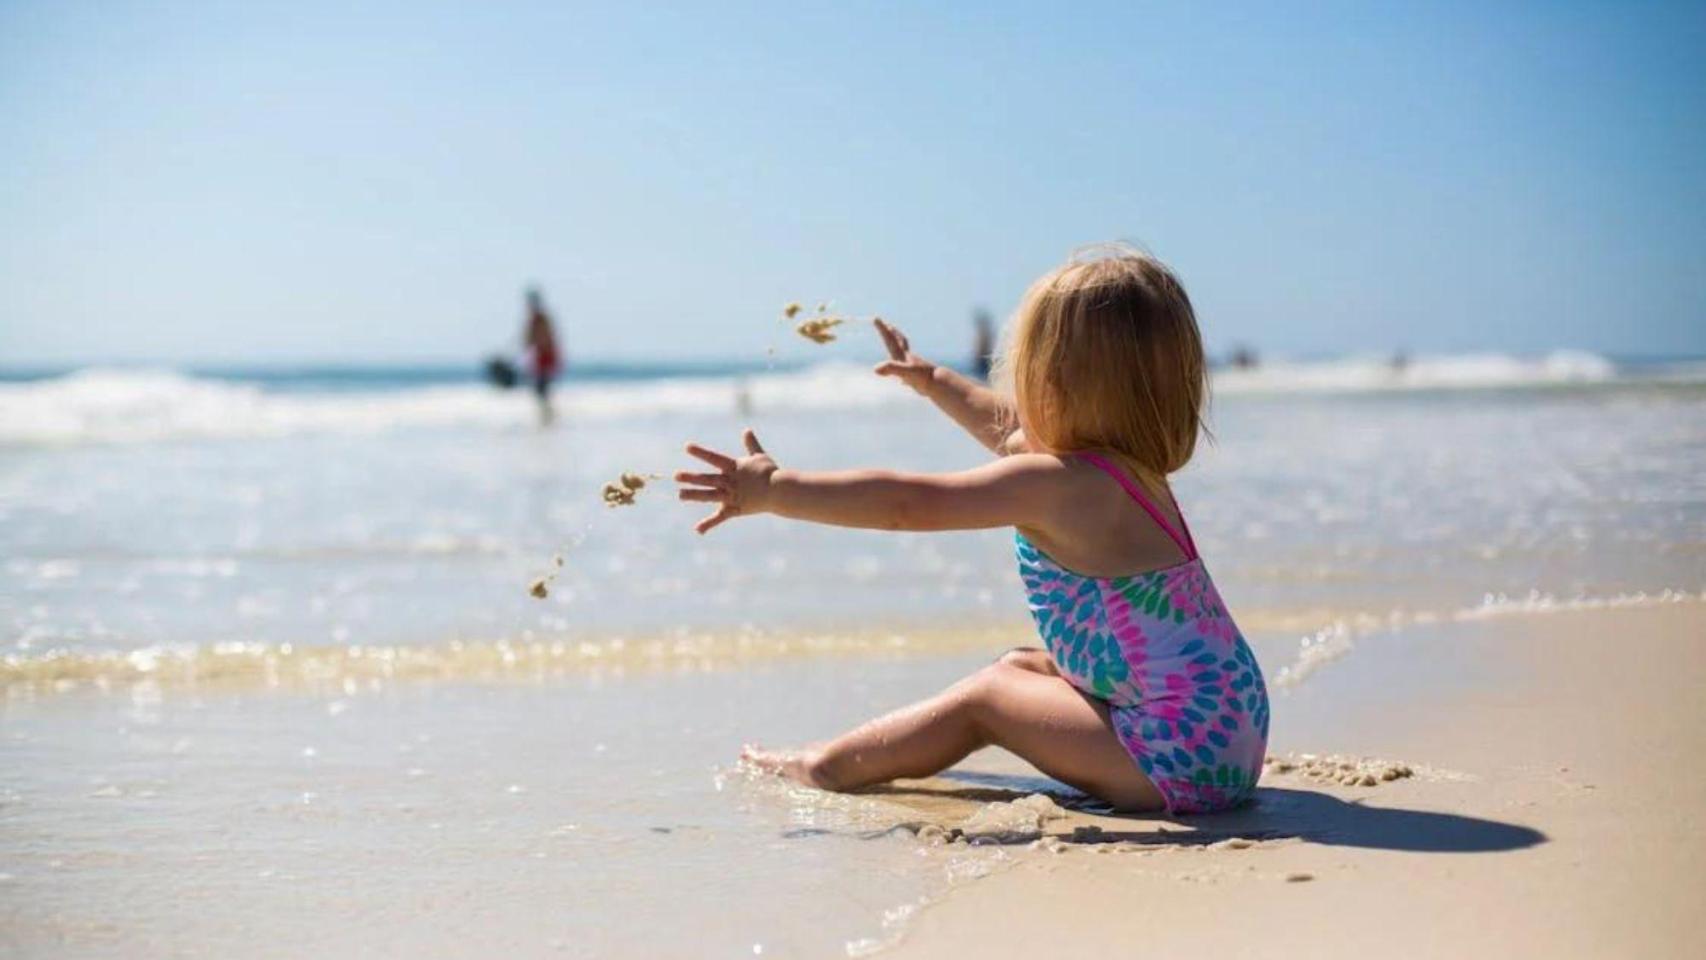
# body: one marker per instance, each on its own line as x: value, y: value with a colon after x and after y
x: 1018, y: 703
x: 1034, y: 659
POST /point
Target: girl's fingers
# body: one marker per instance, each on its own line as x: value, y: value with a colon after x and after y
x: 726, y: 511
x: 887, y: 368
x: 711, y: 457
x: 882, y: 330
x: 893, y: 342
x: 718, y: 480
x: 703, y: 496
x: 751, y: 441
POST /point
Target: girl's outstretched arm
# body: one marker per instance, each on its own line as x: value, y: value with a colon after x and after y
x: 984, y: 414
x: 1021, y: 490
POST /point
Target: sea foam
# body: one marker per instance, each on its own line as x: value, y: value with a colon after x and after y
x: 104, y: 405
x: 127, y: 405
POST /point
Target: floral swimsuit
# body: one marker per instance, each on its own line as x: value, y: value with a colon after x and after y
x: 1184, y: 692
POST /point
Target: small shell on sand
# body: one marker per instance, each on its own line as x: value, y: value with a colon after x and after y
x: 819, y: 329
x: 1299, y: 877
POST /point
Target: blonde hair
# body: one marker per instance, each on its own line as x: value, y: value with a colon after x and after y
x: 1104, y: 354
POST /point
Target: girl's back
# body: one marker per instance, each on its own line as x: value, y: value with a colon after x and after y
x: 1185, y: 694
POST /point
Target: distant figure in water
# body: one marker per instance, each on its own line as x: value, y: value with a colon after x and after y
x: 544, y: 359
x: 1244, y: 358
x: 983, y: 347
x: 743, y: 397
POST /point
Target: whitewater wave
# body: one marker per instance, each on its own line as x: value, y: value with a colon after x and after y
x: 1446, y: 372
x: 132, y: 406
x: 128, y: 405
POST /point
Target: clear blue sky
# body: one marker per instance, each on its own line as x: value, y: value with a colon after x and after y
x: 256, y: 181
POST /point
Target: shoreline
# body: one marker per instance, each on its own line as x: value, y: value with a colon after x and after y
x: 428, y: 817
x: 1293, y: 645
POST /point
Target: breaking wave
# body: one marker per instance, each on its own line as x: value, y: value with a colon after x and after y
x: 114, y: 405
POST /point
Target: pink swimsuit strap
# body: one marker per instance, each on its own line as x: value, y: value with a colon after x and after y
x: 1185, y: 542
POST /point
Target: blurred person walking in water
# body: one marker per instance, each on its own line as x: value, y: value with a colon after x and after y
x: 544, y: 359
x: 983, y: 347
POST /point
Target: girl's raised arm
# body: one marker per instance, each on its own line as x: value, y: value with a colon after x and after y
x: 1021, y: 490
x: 984, y: 414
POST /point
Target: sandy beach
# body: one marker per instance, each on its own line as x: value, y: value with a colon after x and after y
x: 468, y: 472
x: 295, y: 696
x: 1554, y: 810
x: 1542, y: 801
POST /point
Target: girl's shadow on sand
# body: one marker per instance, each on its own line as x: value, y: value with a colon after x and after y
x: 1275, y: 813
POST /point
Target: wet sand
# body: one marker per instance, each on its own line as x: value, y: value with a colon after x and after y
x: 1555, y: 809
x: 1550, y: 806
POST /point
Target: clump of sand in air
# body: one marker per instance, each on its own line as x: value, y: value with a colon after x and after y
x: 618, y: 493
x: 541, y: 588
x: 818, y: 328
x: 621, y: 492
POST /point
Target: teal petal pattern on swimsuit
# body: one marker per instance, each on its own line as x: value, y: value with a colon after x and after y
x: 1184, y: 691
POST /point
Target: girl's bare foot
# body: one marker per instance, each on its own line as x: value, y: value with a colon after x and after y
x: 797, y: 765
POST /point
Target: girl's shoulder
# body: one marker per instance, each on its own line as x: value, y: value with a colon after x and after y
x: 1096, y: 524
x: 1072, y: 477
x: 1047, y: 475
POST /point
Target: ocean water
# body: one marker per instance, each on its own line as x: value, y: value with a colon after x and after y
x: 273, y: 679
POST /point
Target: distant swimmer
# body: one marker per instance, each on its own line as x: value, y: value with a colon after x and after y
x: 544, y: 358
x: 983, y: 346
x: 1244, y: 358
x: 743, y: 397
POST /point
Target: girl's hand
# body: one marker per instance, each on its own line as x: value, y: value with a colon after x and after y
x: 739, y: 487
x: 906, y: 366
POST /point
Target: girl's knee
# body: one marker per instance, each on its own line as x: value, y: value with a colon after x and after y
x: 1034, y: 659
x: 990, y: 689
x: 994, y: 675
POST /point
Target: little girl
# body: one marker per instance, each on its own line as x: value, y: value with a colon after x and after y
x: 1145, y: 695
